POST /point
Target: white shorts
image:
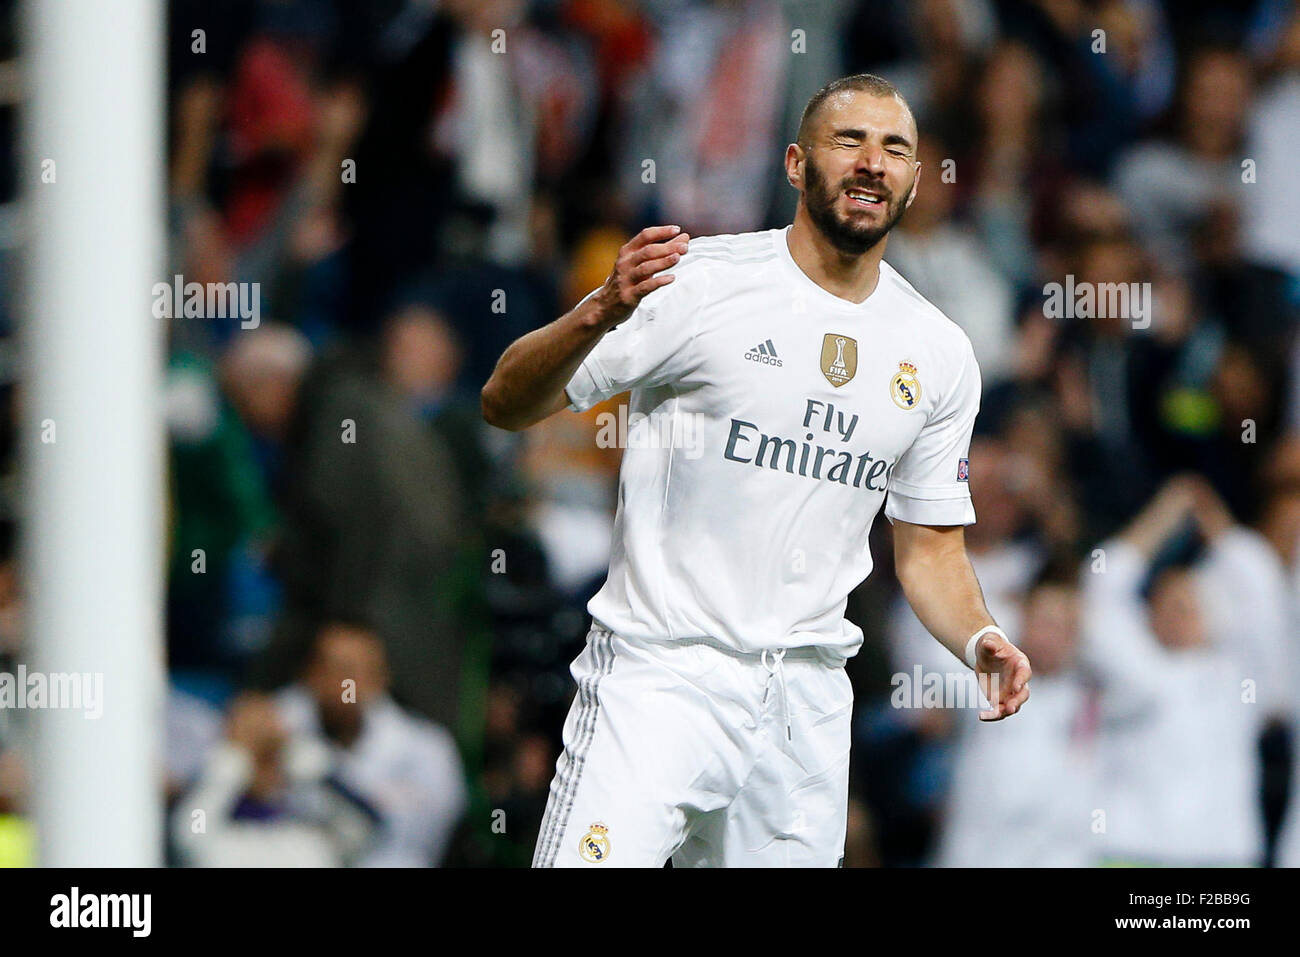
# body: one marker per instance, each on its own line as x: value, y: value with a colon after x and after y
x: 681, y: 749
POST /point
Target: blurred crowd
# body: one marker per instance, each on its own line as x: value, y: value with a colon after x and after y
x: 373, y: 597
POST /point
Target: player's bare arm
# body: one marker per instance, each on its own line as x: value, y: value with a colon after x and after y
x: 940, y: 584
x: 528, y: 382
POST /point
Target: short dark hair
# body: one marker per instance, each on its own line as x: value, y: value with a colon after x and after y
x: 865, y: 82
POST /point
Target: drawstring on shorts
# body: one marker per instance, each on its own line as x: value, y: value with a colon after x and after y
x: 777, y: 669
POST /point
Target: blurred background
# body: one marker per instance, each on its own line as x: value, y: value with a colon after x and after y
x: 412, y: 190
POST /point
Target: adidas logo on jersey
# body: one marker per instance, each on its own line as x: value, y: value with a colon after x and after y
x: 765, y: 353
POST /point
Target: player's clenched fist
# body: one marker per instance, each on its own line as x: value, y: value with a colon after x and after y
x: 639, y: 270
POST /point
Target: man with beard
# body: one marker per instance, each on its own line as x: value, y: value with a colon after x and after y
x: 712, y: 719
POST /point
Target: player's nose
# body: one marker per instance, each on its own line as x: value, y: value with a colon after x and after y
x: 870, y: 159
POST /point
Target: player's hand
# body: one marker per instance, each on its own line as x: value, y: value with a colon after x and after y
x: 639, y: 270
x: 1003, y: 673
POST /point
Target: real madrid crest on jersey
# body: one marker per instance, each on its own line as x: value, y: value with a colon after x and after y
x: 905, y: 388
x: 594, y: 846
x: 839, y: 358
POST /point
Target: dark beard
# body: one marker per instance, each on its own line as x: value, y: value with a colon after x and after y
x: 847, y: 237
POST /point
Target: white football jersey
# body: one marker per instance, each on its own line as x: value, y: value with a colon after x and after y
x: 768, y: 422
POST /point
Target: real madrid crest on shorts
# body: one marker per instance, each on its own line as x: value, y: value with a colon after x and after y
x: 594, y: 846
x: 905, y: 388
x: 839, y: 358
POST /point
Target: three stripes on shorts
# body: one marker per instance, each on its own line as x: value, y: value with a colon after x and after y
x: 566, y: 787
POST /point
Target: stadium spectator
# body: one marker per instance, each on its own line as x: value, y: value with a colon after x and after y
x: 1033, y: 782
x: 1186, y: 678
x: 405, y: 768
x: 704, y: 111
x: 260, y: 803
x: 327, y: 772
x: 421, y: 358
x: 1271, y: 207
x: 1009, y: 163
x: 1175, y: 188
x: 370, y: 508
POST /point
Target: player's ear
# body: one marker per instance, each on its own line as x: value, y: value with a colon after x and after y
x: 916, y: 183
x: 794, y: 159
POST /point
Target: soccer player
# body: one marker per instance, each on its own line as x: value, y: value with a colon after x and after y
x: 784, y: 385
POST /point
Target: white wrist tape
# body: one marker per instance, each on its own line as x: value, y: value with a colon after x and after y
x: 974, y: 641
